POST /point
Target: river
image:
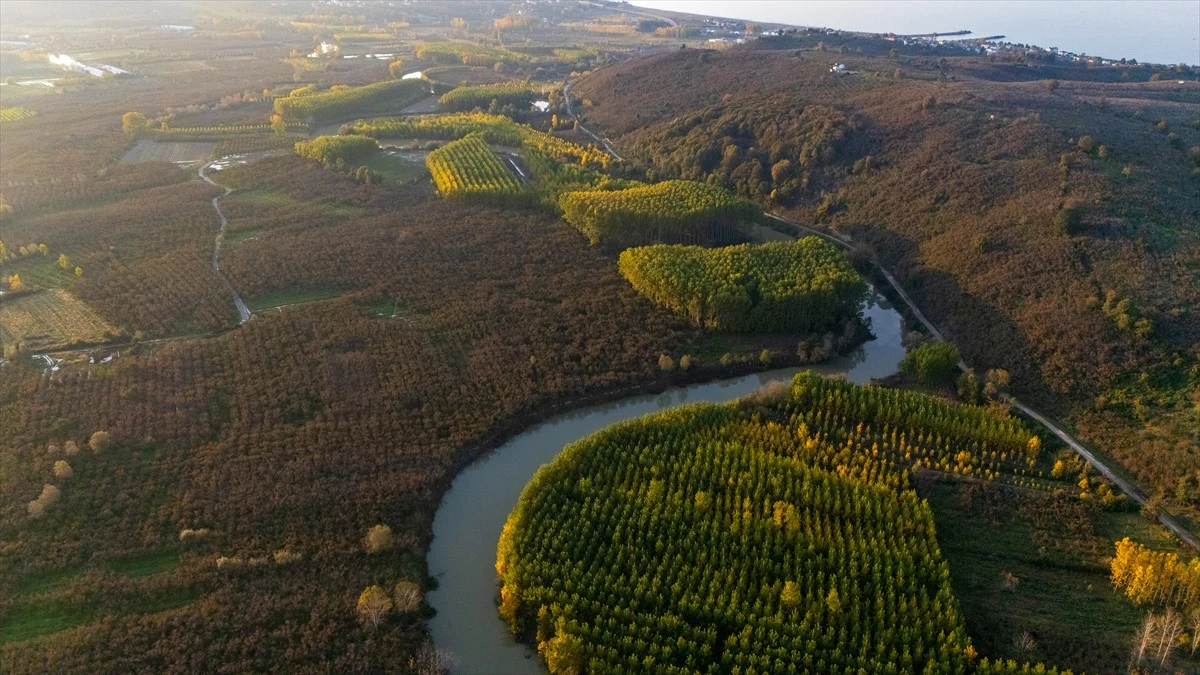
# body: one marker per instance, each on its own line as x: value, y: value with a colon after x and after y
x: 467, y: 525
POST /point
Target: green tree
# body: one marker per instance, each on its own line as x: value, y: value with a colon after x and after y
x: 933, y: 363
x: 134, y: 123
x: 564, y: 652
x: 1067, y: 220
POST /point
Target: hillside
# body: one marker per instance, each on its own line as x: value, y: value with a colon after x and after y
x: 1049, y: 227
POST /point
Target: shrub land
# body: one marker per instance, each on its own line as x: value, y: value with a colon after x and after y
x: 708, y: 539
x: 805, y: 285
x: 674, y: 211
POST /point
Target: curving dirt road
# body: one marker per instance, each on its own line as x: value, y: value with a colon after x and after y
x: 243, y: 311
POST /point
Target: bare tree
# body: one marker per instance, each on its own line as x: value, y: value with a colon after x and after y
x: 431, y: 661
x: 1171, y: 629
x: 407, y: 596
x: 1146, y: 634
x: 1024, y: 644
x: 1194, y: 624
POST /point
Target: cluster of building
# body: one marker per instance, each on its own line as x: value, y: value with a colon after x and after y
x: 96, y: 71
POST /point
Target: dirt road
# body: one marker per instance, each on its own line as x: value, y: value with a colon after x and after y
x: 243, y: 311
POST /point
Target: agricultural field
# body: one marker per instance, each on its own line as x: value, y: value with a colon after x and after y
x: 767, y: 529
x: 468, y: 169
x: 805, y: 286
x: 466, y: 54
x: 342, y: 101
x: 47, y: 319
x: 192, y: 152
x: 244, y: 145
x: 16, y: 114
x: 496, y: 130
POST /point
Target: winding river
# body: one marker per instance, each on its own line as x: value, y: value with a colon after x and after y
x: 467, y: 525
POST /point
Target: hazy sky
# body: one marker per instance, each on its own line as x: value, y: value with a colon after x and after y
x: 1160, y: 31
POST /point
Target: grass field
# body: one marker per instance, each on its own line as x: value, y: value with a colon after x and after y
x: 38, y: 271
x: 1041, y: 569
x: 397, y: 166
x: 48, y: 319
x: 168, y: 151
x: 39, y: 608
x: 298, y: 297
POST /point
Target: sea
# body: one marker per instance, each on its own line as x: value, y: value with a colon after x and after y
x: 1151, y: 31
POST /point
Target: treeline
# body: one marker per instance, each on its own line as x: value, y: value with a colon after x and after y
x: 468, y: 169
x: 331, y: 150
x: 467, y: 54
x: 638, y: 541
x: 1152, y: 577
x: 805, y: 285
x: 482, y: 96
x: 668, y: 212
x: 343, y: 100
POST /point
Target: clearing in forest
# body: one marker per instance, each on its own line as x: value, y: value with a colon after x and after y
x: 48, y: 319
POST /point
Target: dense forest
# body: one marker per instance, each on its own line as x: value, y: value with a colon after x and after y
x: 734, y: 539
x: 1037, y: 222
x: 468, y: 169
x: 806, y: 285
x: 672, y: 211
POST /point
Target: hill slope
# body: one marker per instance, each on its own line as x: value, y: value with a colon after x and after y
x: 990, y: 195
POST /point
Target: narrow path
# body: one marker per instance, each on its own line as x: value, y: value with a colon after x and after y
x: 243, y: 312
x: 1126, y: 486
